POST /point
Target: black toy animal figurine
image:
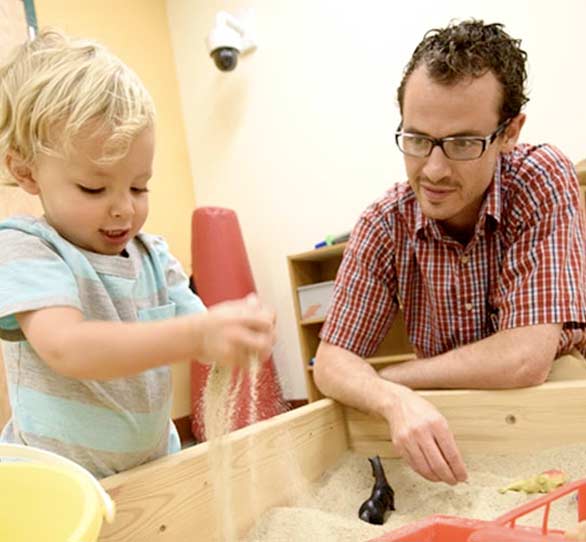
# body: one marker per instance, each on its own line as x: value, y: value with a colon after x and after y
x: 382, y: 497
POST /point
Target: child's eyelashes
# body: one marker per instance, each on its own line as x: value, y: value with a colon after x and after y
x: 87, y: 190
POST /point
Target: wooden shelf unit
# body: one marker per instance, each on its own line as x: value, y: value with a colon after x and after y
x: 321, y: 265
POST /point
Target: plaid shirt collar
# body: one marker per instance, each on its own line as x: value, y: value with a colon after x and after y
x: 491, y: 206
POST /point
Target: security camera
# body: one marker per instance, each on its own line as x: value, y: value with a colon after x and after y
x: 225, y: 58
x: 227, y: 40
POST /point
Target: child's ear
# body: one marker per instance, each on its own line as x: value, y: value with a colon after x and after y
x: 512, y: 131
x: 22, y: 173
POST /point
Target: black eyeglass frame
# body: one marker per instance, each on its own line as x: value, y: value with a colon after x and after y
x: 439, y: 142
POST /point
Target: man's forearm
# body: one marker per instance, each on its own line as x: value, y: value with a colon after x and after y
x: 508, y: 359
x: 350, y: 380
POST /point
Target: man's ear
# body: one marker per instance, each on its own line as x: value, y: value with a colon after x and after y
x: 512, y: 131
x: 22, y: 173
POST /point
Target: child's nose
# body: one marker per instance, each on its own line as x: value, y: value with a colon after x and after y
x: 122, y: 208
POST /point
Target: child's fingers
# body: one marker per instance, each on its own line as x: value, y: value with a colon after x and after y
x: 262, y: 321
x: 251, y: 343
x: 252, y: 300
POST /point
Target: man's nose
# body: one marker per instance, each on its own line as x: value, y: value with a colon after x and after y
x: 437, y: 165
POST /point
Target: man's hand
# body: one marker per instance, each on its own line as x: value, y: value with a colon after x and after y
x: 422, y: 436
x: 418, y: 431
x: 231, y: 332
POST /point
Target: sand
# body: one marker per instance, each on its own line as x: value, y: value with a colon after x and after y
x: 219, y: 398
x: 219, y: 408
x: 330, y: 513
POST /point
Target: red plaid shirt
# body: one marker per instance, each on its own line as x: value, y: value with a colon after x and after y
x: 525, y: 264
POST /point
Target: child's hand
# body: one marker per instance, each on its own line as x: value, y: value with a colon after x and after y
x: 232, y: 332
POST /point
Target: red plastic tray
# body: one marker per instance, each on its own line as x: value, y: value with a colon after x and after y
x: 440, y: 528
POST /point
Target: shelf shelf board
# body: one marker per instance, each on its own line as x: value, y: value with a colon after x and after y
x: 317, y: 266
x: 384, y: 360
x: 395, y: 358
x: 320, y: 254
x: 312, y: 321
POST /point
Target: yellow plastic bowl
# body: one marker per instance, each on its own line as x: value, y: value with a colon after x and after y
x: 41, y: 502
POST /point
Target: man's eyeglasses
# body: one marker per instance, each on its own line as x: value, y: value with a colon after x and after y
x: 454, y: 148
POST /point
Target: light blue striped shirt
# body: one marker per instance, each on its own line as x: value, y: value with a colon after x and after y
x: 106, y: 426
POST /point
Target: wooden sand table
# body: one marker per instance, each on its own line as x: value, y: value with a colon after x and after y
x: 173, y: 499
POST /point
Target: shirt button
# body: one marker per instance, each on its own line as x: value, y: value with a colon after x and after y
x: 464, y: 260
x: 468, y: 306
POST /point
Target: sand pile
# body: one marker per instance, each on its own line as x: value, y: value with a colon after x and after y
x: 329, y: 512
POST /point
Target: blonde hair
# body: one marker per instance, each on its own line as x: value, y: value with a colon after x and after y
x: 54, y: 86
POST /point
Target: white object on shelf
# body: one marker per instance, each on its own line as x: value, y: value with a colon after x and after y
x: 315, y: 299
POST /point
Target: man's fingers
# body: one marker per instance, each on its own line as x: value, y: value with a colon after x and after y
x: 432, y: 453
x: 449, y: 450
x: 443, y: 456
x: 414, y: 455
x: 438, y: 465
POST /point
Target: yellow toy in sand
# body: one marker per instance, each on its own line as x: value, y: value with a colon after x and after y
x: 540, y: 483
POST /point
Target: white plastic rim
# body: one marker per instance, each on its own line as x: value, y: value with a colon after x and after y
x: 43, y: 456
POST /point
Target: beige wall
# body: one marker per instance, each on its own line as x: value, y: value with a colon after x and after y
x: 299, y: 139
x: 137, y: 31
x: 12, y: 25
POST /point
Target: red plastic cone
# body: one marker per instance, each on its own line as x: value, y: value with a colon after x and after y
x: 222, y: 272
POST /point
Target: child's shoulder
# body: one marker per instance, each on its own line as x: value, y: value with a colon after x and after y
x: 18, y: 221
x: 25, y: 230
x: 29, y: 230
x: 27, y: 225
x: 28, y: 236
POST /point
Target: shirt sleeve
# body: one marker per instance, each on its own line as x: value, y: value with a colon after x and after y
x: 543, y: 276
x: 32, y: 276
x: 364, y: 303
x: 186, y: 301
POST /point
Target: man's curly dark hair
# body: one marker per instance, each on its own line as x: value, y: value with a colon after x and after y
x: 471, y: 49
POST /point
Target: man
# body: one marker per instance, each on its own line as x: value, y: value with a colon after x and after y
x: 482, y: 249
